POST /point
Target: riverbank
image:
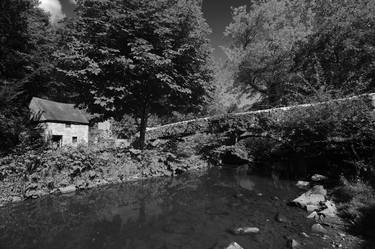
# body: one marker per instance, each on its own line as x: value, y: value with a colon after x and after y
x: 38, y: 173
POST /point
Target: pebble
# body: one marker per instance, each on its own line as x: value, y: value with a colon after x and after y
x: 305, y: 235
x: 281, y: 218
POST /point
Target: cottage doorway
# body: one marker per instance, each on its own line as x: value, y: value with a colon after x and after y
x: 56, y: 141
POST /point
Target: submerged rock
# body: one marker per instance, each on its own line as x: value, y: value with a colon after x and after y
x: 281, y: 218
x: 245, y: 230
x: 233, y: 245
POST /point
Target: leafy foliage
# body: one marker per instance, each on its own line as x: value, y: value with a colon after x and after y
x: 138, y: 57
x: 262, y: 40
x: 303, y: 51
x: 26, y: 67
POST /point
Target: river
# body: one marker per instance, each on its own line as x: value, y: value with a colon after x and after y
x: 195, y: 210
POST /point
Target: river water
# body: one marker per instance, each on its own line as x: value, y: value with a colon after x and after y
x: 196, y: 210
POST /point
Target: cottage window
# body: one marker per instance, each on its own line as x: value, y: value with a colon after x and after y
x: 74, y: 140
x: 68, y: 125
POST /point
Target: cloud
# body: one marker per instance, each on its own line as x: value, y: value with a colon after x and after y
x: 53, y: 7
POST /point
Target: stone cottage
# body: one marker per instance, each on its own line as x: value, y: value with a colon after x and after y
x: 63, y: 124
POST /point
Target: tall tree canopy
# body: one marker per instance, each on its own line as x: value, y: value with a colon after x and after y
x: 338, y: 59
x: 262, y: 38
x: 139, y: 57
x: 296, y: 51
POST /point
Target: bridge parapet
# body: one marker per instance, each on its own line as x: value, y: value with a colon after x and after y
x: 246, y: 120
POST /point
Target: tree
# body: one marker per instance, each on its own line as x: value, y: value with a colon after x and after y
x: 26, y: 41
x: 339, y: 57
x: 262, y: 40
x: 138, y: 57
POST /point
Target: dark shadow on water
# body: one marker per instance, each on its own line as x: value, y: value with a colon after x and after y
x: 365, y: 227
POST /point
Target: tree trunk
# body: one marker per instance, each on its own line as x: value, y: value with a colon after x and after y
x: 142, y: 129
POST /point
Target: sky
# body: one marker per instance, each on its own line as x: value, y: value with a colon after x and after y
x: 216, y: 12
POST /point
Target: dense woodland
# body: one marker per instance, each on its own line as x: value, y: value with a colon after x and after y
x: 143, y: 62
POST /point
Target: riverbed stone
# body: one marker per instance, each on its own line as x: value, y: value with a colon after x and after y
x: 34, y: 193
x: 313, y: 215
x: 314, y: 196
x: 330, y: 210
x: 233, y: 245
x: 245, y: 230
x: 318, y: 178
x: 317, y: 228
x: 292, y: 243
x: 311, y: 208
x: 302, y: 184
x: 281, y: 218
x: 67, y: 189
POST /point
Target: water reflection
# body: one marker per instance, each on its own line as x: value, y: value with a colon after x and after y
x: 191, y: 211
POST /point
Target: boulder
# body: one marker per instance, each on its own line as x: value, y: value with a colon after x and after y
x: 318, y: 178
x: 67, y: 189
x: 233, y: 155
x: 311, y: 208
x: 81, y: 184
x: 317, y: 228
x: 233, y: 245
x: 314, y: 197
x: 330, y: 210
x: 245, y: 230
x: 34, y: 193
x: 313, y: 215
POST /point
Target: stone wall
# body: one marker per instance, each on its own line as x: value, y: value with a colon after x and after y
x: 61, y: 129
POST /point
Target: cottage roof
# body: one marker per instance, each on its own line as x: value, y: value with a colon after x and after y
x: 57, y: 112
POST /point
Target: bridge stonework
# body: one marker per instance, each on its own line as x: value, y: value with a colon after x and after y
x: 243, y: 121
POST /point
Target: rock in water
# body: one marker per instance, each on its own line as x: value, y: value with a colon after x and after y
x: 293, y: 244
x: 245, y: 230
x: 313, y: 215
x: 317, y: 228
x: 330, y: 210
x: 67, y: 189
x: 311, y: 208
x: 281, y: 218
x: 312, y: 197
x: 318, y: 178
x: 302, y: 184
x: 233, y: 245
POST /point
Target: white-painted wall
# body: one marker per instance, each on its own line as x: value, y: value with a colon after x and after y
x: 76, y: 130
